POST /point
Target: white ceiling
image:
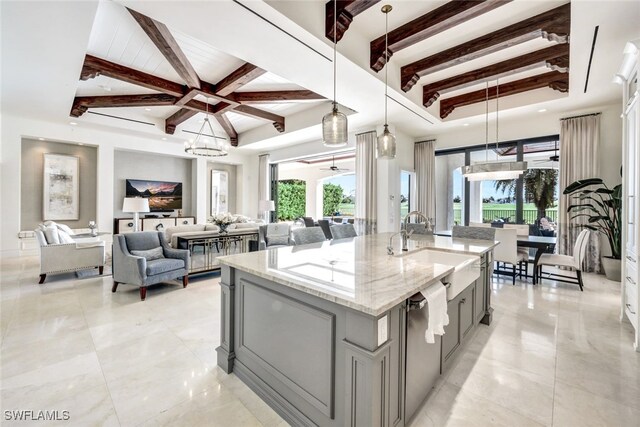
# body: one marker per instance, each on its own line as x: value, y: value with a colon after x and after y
x: 44, y: 45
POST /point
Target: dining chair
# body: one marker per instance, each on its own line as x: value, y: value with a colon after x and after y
x: 522, y: 230
x: 343, y: 231
x: 326, y: 228
x: 303, y: 236
x: 506, y: 253
x: 572, y: 261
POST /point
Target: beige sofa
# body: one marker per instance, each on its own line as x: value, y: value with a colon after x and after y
x: 172, y: 233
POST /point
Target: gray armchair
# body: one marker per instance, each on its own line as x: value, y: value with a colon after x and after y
x: 273, y: 236
x: 138, y: 260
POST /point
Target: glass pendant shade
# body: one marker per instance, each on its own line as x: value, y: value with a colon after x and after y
x: 386, y: 147
x: 335, y: 131
x: 494, y: 171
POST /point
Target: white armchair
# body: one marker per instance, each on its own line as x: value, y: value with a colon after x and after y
x: 66, y: 257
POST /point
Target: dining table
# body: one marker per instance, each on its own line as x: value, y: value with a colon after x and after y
x: 542, y: 244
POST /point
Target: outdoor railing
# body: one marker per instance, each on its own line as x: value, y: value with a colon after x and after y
x: 489, y: 215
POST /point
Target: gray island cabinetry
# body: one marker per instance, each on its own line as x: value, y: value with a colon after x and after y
x: 326, y: 333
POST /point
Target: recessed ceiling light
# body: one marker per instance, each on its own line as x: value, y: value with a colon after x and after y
x: 80, y: 143
x: 41, y: 139
x: 542, y: 110
x: 164, y: 139
x: 73, y: 123
x: 466, y: 124
x: 147, y: 109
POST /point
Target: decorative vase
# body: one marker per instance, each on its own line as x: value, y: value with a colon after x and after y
x: 612, y: 268
x: 223, y: 228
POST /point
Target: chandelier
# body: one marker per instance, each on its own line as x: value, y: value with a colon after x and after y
x: 207, y: 145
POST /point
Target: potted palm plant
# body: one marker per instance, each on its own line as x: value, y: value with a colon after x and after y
x: 602, y: 207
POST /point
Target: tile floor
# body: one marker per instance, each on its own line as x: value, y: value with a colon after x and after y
x: 553, y: 356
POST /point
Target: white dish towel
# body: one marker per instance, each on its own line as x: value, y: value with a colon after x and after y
x: 436, y: 297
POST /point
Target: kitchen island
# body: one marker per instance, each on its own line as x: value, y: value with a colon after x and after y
x: 324, y: 333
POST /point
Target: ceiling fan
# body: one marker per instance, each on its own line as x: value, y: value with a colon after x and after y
x: 333, y: 167
x: 551, y: 161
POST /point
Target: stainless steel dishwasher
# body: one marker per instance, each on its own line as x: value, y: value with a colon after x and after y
x: 422, y: 359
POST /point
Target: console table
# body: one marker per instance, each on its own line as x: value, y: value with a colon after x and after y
x: 205, y: 249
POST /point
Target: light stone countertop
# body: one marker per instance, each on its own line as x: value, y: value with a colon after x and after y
x: 357, y: 273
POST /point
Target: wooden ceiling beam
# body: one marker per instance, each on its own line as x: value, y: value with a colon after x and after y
x: 555, y: 57
x: 554, y: 80
x: 434, y: 22
x: 346, y: 11
x: 94, y: 67
x: 238, y: 78
x: 228, y: 128
x: 180, y: 116
x: 278, y: 121
x: 168, y: 46
x: 82, y: 103
x: 554, y: 25
x: 270, y: 97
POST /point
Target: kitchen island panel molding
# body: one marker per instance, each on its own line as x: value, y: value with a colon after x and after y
x: 279, y: 348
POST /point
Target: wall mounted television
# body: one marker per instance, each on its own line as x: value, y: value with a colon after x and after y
x: 163, y: 196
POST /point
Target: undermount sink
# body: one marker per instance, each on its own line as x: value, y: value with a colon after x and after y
x: 466, y: 267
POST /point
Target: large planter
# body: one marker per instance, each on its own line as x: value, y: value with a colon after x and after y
x: 612, y: 268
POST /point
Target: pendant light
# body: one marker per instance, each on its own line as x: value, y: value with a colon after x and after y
x: 386, y: 147
x: 334, y: 125
x: 201, y: 146
x: 493, y: 171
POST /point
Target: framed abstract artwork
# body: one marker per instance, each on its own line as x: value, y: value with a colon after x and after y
x: 61, y: 187
x: 219, y: 192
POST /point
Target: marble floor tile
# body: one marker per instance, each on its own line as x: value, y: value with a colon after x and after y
x: 454, y: 407
x: 575, y: 407
x: 552, y: 356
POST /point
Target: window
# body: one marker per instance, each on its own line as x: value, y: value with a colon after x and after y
x: 522, y: 201
x: 339, y: 196
x: 407, y: 192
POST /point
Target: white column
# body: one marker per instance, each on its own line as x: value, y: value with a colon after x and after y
x: 106, y: 204
x: 199, y: 189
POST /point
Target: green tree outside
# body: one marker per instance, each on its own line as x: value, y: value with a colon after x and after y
x: 291, y: 199
x: 332, y: 197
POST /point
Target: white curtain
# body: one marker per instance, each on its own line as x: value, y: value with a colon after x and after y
x: 366, y: 172
x: 579, y: 146
x: 424, y: 160
x: 264, y: 180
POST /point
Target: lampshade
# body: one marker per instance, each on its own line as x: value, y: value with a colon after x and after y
x: 135, y: 204
x: 386, y: 147
x: 266, y: 205
x: 335, y: 131
x: 494, y: 171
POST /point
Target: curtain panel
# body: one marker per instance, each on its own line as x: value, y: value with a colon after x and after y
x: 579, y: 147
x: 366, y: 173
x: 424, y: 161
x: 264, y: 180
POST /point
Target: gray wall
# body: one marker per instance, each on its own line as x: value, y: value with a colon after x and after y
x: 31, y: 181
x: 133, y: 165
x: 233, y: 187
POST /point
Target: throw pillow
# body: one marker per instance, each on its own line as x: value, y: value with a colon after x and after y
x: 150, y: 254
x: 66, y: 229
x: 64, y: 237
x: 277, y: 240
x: 51, y: 234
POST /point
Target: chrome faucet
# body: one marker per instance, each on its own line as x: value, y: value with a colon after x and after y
x: 405, y: 238
x: 405, y: 221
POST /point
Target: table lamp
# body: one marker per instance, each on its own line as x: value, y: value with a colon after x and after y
x: 266, y: 206
x: 135, y: 205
